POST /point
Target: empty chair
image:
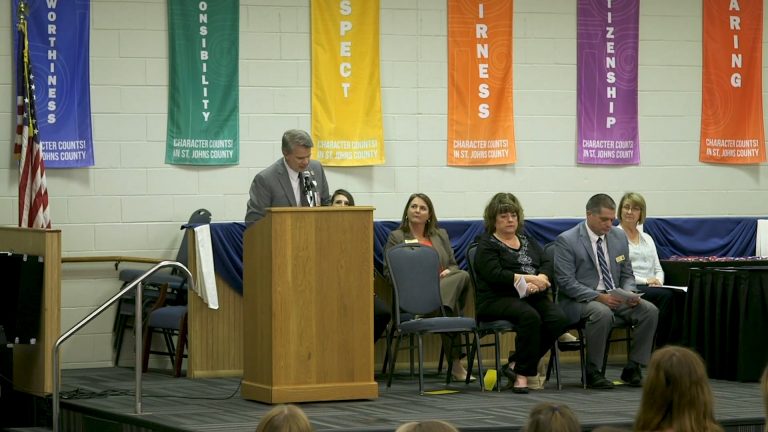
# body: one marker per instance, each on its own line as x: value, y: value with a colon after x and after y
x: 414, y: 271
x: 170, y: 321
x: 175, y: 291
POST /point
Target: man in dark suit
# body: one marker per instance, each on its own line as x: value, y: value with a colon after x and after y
x: 592, y: 259
x: 281, y: 185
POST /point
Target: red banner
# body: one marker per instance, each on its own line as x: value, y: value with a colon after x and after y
x: 732, y: 83
x: 480, y: 113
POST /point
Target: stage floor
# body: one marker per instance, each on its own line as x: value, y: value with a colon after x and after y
x: 180, y: 404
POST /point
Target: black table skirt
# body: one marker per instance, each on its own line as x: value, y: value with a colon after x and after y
x: 726, y: 320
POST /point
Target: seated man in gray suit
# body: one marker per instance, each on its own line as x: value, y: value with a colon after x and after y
x: 591, y: 259
x: 281, y: 185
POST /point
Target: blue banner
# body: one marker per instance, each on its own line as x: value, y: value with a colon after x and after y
x: 59, y: 54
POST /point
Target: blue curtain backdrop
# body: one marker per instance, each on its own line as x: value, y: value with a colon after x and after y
x: 718, y: 237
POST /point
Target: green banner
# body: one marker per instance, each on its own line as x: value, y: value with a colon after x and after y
x: 203, y: 82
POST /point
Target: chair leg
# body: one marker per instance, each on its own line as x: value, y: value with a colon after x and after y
x: 410, y: 352
x: 479, y: 362
x: 497, y: 349
x: 393, y: 360
x: 605, y: 354
x: 440, y: 362
x: 471, y: 360
x: 170, y: 347
x: 181, y: 344
x: 554, y: 359
x: 583, y: 359
x: 147, y: 346
x: 121, y: 321
x: 421, y: 365
x: 390, y: 331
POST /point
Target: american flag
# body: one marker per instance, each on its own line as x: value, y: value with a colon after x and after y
x: 33, y: 192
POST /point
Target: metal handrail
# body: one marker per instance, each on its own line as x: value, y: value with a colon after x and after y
x: 138, y: 319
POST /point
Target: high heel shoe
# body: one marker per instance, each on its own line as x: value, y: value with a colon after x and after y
x: 507, y: 371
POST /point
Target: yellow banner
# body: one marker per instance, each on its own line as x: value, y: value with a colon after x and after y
x: 346, y: 85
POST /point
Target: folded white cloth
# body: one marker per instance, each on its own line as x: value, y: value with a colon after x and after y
x: 761, y: 248
x: 205, y: 275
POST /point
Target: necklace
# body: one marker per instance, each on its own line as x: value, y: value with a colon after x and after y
x: 513, y: 242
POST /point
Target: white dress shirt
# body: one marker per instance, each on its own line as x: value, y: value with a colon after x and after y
x: 645, y: 259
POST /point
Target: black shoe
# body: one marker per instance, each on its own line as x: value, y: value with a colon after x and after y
x: 595, y: 380
x: 507, y: 371
x: 632, y: 376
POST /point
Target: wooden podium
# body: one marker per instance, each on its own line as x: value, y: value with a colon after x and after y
x: 308, y: 305
x: 33, y: 364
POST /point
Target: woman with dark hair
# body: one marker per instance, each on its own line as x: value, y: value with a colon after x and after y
x: 513, y: 274
x: 342, y: 198
x: 676, y: 394
x: 419, y: 223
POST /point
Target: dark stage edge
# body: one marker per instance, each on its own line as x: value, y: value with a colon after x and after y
x: 181, y: 404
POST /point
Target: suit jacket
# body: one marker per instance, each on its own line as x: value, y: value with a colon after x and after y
x: 272, y: 188
x: 576, y: 270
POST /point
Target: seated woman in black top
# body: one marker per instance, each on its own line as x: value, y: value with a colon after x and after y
x: 512, y: 278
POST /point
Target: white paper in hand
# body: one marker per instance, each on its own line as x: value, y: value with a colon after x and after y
x: 625, y: 295
x: 522, y: 287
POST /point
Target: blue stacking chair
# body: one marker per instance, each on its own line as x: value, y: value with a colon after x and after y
x: 172, y: 284
x: 487, y: 328
x: 414, y: 270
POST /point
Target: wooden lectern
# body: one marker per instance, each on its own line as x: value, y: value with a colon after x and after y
x: 308, y: 305
x: 33, y: 364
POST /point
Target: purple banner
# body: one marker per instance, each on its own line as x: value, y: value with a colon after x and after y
x: 607, y: 82
x: 59, y: 54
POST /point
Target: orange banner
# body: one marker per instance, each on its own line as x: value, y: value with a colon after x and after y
x: 480, y: 113
x: 732, y: 83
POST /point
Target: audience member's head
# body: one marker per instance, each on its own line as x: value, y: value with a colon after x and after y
x: 502, y: 203
x: 764, y: 387
x: 549, y: 417
x: 342, y: 198
x: 676, y: 394
x: 284, y: 418
x: 427, y: 426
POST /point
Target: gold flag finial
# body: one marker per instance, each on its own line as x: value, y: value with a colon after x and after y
x: 23, y: 10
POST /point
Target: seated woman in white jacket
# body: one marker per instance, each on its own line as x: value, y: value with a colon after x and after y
x: 645, y: 262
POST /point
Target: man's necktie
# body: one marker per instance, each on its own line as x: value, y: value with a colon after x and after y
x: 604, y: 270
x: 302, y: 193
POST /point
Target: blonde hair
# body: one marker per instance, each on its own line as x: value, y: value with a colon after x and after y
x: 284, y: 418
x: 676, y: 394
x: 427, y: 426
x: 549, y: 417
x: 633, y: 198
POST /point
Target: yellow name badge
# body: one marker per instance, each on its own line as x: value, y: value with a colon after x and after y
x: 620, y: 258
x: 410, y: 241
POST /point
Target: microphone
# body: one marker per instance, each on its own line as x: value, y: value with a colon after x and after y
x: 309, y: 186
